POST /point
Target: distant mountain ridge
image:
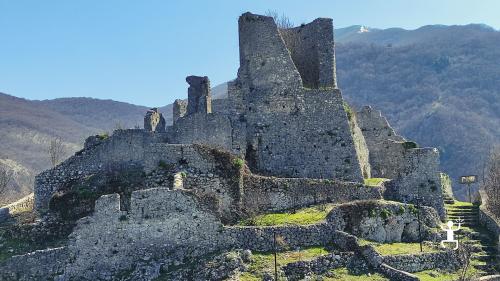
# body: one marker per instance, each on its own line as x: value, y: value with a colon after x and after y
x: 399, y: 36
x: 438, y: 85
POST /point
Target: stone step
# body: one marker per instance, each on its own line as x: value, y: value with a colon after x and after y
x: 485, y: 267
x: 463, y: 217
x: 483, y: 257
x: 462, y: 211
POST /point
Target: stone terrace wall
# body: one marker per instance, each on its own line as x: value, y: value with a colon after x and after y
x: 263, y: 194
x: 261, y: 238
x: 492, y: 223
x: 445, y: 260
x: 312, y: 49
x: 124, y: 147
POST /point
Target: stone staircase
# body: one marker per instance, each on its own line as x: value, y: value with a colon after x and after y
x: 485, y: 257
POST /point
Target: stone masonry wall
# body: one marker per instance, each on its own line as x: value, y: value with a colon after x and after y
x: 264, y: 59
x: 214, y: 129
x: 199, y: 95
x: 179, y: 109
x: 301, y: 134
x: 265, y: 194
x: 444, y: 260
x: 382, y: 141
x: 39, y: 265
x: 161, y: 225
x: 312, y: 50
x: 415, y: 171
x: 123, y: 147
x: 419, y: 180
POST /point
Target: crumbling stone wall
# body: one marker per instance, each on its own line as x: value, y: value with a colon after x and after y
x: 161, y: 224
x: 214, y: 129
x: 265, y: 62
x: 124, y: 147
x: 199, y: 96
x: 295, y: 271
x: 38, y: 265
x: 266, y: 194
x: 419, y: 180
x: 179, y: 109
x: 312, y: 50
x: 414, y: 171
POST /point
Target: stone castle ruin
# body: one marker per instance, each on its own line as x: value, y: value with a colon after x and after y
x: 143, y: 201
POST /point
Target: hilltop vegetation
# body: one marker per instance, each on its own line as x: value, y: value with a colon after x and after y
x: 440, y: 89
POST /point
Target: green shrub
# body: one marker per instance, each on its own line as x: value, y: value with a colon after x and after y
x: 162, y: 164
x: 238, y: 163
x: 348, y: 111
x: 413, y: 209
x: 385, y: 214
x: 374, y: 181
x: 123, y: 218
x: 85, y: 193
x: 410, y: 144
x: 401, y: 210
x: 103, y: 136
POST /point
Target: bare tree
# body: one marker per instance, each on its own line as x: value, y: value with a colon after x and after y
x: 491, y: 182
x: 282, y: 21
x: 6, y: 177
x: 55, y: 151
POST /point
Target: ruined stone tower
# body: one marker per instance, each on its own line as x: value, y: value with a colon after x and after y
x: 284, y: 113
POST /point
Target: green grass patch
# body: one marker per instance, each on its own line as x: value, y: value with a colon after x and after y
x: 344, y: 274
x: 439, y: 275
x: 103, y: 136
x: 348, y: 110
x: 304, y: 216
x: 460, y: 204
x: 388, y: 249
x: 264, y: 262
x: 375, y: 181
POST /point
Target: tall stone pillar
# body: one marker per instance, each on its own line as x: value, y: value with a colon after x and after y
x: 179, y: 110
x: 199, y: 95
x: 154, y: 121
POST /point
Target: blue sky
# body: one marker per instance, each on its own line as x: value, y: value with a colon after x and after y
x: 141, y: 51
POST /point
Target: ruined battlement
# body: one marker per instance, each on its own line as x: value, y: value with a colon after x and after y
x: 312, y: 49
x: 154, y: 121
x: 199, y: 95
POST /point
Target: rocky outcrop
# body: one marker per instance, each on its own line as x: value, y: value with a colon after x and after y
x: 383, y: 221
